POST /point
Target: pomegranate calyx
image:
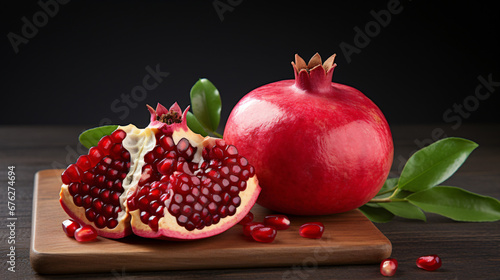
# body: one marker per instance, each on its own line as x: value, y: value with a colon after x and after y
x: 314, y: 76
x: 164, y: 119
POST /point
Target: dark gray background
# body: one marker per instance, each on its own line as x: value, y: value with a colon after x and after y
x: 423, y: 62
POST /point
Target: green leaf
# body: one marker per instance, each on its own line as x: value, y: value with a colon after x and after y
x: 206, y: 104
x: 194, y: 124
x: 435, y: 163
x: 457, y: 204
x: 90, y: 137
x: 377, y: 215
x: 404, y: 209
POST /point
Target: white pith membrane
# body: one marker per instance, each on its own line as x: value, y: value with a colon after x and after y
x: 168, y: 226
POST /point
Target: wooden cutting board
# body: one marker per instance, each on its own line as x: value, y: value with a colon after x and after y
x: 349, y: 238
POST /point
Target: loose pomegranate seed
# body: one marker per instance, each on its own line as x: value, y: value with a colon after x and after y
x: 279, y: 222
x: 85, y: 233
x: 202, y: 192
x: 264, y: 234
x: 312, y: 230
x: 69, y: 227
x: 388, y: 267
x: 248, y: 228
x: 247, y: 219
x: 431, y: 262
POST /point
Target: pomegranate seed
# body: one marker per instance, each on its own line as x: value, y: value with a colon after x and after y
x: 87, y: 201
x: 158, y: 151
x: 90, y: 214
x: 243, y: 161
x: 73, y: 188
x: 104, y: 195
x: 78, y: 200
x: 183, y: 145
x: 83, y: 163
x: 126, y: 156
x: 166, y: 165
x: 97, y: 205
x: 118, y: 135
x: 108, y: 210
x: 279, y: 222
x: 312, y: 230
x: 145, y: 217
x: 388, y: 267
x: 100, y: 222
x: 431, y: 262
x: 84, y: 189
x: 112, y: 223
x: 220, y: 143
x: 231, y: 210
x: 116, y: 150
x: 167, y: 143
x: 231, y: 151
x: 153, y: 223
x: 218, y: 153
x: 248, y: 228
x: 69, y: 227
x: 149, y: 158
x: 95, y: 155
x: 236, y: 201
x: 264, y: 234
x: 85, y: 233
x: 71, y: 174
x: 105, y: 144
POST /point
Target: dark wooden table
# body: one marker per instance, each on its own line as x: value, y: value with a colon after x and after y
x: 468, y: 250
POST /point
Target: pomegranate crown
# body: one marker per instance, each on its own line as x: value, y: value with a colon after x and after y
x: 166, y: 119
x: 315, y: 75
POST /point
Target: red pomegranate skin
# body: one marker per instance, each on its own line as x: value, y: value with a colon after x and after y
x: 318, y: 147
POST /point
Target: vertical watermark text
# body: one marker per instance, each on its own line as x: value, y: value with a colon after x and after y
x: 11, y: 218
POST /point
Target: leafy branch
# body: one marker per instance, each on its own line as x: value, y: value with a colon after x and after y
x: 418, y: 190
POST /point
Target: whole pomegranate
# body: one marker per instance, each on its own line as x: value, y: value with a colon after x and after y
x: 163, y: 181
x: 317, y: 147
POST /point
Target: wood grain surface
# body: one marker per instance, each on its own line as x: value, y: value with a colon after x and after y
x: 349, y: 238
x: 468, y: 250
